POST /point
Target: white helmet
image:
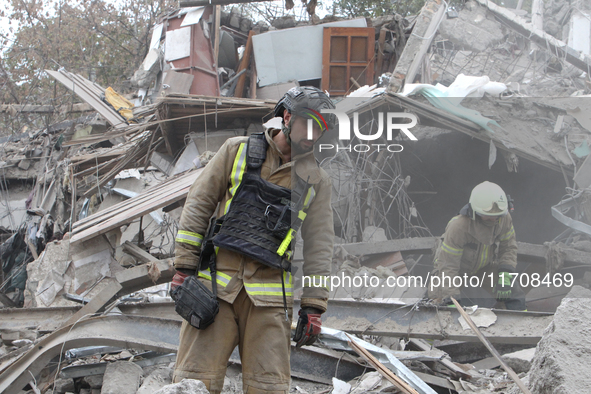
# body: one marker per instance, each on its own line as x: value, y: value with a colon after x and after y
x: 488, y: 199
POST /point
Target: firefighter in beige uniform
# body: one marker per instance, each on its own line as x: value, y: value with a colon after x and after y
x: 480, y: 242
x: 255, y: 299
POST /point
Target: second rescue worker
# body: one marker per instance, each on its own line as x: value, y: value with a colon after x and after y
x: 480, y: 241
x: 265, y: 187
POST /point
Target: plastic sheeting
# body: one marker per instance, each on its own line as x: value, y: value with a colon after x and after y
x: 449, y: 98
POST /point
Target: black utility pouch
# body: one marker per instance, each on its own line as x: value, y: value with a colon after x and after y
x: 195, y: 303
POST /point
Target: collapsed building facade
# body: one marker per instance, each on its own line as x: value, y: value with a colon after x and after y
x: 92, y: 204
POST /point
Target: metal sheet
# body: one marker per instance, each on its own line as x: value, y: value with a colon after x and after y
x: 178, y: 44
x: 384, y: 356
x: 156, y: 36
x: 303, y: 60
x: 193, y: 17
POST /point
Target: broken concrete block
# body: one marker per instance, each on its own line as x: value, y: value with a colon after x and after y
x: 472, y: 30
x: 159, y: 378
x: 562, y: 363
x: 24, y: 164
x: 374, y: 234
x: 94, y: 381
x: 235, y: 21
x: 63, y: 385
x: 284, y: 22
x: 9, y: 336
x: 122, y: 377
x: 186, y: 386
x: 520, y: 361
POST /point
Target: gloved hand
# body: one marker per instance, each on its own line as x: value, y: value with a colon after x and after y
x: 308, y: 328
x: 503, y: 289
x: 178, y: 279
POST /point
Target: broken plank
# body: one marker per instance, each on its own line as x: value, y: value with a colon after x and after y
x: 417, y: 45
x: 88, y: 94
x: 138, y: 252
x: 490, y: 347
x: 145, y: 203
x: 156, y: 192
x: 385, y: 372
x: 128, y: 217
x: 239, y: 92
x: 138, y: 277
x: 97, y: 302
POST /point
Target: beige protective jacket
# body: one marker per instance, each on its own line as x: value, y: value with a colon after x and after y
x: 468, y: 246
x: 217, y: 184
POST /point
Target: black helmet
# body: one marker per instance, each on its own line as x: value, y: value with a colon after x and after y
x: 307, y: 102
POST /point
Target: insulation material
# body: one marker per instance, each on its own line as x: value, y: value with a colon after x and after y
x: 449, y: 98
x: 120, y: 103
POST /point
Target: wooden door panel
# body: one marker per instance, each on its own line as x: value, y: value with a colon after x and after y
x: 347, y: 52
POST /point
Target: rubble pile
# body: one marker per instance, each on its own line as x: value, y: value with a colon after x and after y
x: 562, y: 359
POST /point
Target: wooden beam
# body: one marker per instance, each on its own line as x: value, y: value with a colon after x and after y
x: 138, y: 252
x: 90, y: 93
x: 380, y: 61
x: 490, y: 347
x: 165, y: 129
x: 244, y: 63
x: 381, y: 368
x: 216, y: 41
x: 14, y: 109
x: 253, y: 79
x: 97, y: 302
x: 412, y: 56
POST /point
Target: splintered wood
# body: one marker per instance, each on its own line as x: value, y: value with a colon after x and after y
x: 172, y: 190
x: 392, y: 378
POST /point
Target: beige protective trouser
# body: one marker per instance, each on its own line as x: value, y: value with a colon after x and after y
x: 263, y: 337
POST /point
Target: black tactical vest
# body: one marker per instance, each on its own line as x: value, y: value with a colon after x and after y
x: 263, y: 217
